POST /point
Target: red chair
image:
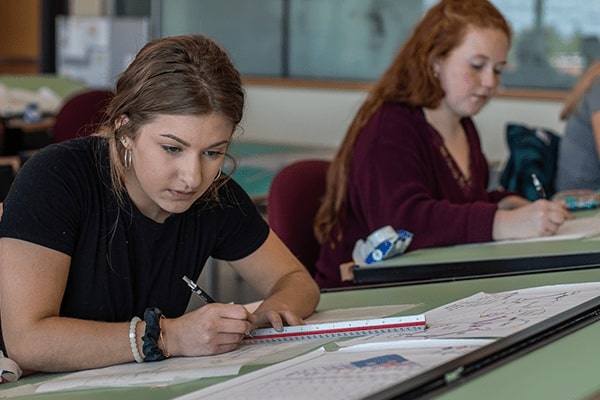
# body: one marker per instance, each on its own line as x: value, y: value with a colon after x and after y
x: 294, y: 198
x: 80, y: 114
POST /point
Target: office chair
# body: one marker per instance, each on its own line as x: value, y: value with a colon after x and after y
x: 80, y: 114
x: 294, y: 198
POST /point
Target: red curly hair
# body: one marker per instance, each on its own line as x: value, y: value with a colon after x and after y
x: 408, y: 80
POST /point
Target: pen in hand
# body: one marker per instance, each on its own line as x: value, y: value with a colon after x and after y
x: 197, y: 290
x: 538, y: 187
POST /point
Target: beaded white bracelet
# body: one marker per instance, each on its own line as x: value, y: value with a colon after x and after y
x: 133, y: 339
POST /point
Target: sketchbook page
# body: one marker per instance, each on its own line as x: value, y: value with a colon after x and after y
x: 496, y: 315
x: 355, y: 313
x: 347, y: 373
x: 493, y: 315
x: 571, y: 229
x: 578, y: 228
x: 251, y: 307
x: 345, y: 314
x: 178, y: 369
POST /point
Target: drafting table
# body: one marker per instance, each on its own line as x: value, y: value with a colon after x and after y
x: 49, y: 91
x: 479, y: 260
x: 565, y: 368
x: 61, y: 86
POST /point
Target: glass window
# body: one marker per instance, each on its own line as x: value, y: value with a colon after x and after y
x: 554, y: 40
x: 251, y: 31
x: 347, y: 39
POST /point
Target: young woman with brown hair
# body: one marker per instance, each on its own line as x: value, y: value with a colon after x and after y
x: 98, y: 232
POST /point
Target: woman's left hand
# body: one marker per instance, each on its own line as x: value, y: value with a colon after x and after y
x: 277, y: 319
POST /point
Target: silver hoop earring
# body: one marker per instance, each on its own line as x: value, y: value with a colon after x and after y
x: 127, y: 159
x: 218, y: 175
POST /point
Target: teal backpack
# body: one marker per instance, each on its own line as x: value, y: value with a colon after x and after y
x: 533, y: 150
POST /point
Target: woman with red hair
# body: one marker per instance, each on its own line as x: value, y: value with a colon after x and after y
x: 412, y: 157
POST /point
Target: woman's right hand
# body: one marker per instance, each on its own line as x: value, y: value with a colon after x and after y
x: 211, y: 329
x: 540, y: 218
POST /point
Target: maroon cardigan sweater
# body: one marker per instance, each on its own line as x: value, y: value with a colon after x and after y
x: 401, y: 175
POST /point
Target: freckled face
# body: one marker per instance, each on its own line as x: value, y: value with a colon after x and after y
x: 471, y: 73
x: 175, y: 159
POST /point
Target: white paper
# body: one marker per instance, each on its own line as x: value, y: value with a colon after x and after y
x: 356, y: 313
x: 177, y: 370
x: 345, y: 374
x: 495, y: 315
x: 571, y: 229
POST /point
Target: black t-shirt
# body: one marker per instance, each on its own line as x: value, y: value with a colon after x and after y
x: 121, y: 261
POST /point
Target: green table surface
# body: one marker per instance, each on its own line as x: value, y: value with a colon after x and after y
x: 568, y: 368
